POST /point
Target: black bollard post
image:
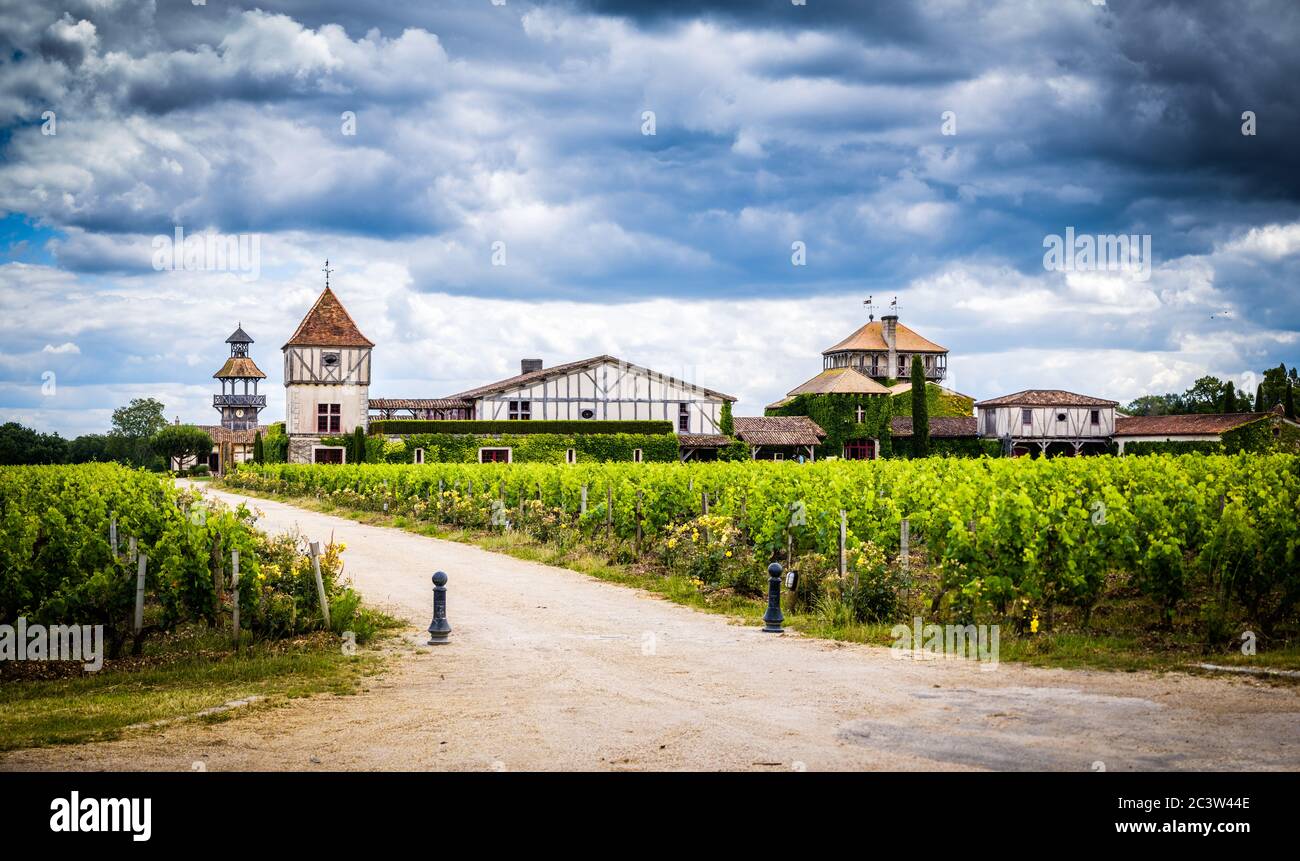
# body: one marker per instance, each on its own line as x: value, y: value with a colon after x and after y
x: 772, y: 619
x: 439, y: 628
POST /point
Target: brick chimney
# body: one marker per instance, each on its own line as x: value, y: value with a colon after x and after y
x: 889, y: 331
x: 527, y: 366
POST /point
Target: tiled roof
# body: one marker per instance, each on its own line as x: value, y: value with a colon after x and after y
x: 560, y: 370
x: 778, y: 430
x: 702, y: 440
x: 871, y: 338
x: 240, y: 367
x: 328, y: 324
x: 1046, y: 398
x: 1201, y: 423
x: 939, y: 427
x: 839, y: 381
x: 418, y: 403
x: 220, y: 434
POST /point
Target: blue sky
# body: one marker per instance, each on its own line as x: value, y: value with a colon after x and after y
x: 523, y: 124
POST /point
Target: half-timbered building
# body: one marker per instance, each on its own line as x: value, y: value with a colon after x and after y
x: 602, y: 388
x: 326, y: 380
x: 1043, y: 418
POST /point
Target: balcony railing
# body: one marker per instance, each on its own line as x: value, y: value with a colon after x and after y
x: 239, y: 400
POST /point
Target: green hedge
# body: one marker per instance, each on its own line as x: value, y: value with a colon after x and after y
x: 1254, y: 437
x: 944, y: 448
x: 404, y: 427
x: 1173, y: 447
x: 525, y: 448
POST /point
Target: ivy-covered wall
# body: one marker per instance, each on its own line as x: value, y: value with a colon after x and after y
x: 837, y: 415
x: 1254, y: 437
x: 525, y: 448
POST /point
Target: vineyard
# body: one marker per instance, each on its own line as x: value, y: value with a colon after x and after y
x: 1205, y: 541
x: 72, y: 539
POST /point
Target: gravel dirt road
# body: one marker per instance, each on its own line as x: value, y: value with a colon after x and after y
x: 550, y: 669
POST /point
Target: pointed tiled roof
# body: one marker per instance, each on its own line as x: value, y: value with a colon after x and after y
x: 328, y: 324
x: 871, y: 338
x: 239, y: 336
x: 240, y: 368
x: 839, y: 381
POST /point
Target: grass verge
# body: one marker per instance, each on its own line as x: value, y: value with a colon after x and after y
x: 177, y: 678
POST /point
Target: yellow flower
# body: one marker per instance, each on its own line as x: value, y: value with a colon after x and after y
x: 1033, y: 624
x: 728, y: 554
x: 672, y: 542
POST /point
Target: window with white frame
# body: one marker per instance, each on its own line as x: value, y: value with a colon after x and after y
x: 683, y: 417
x: 419, y: 455
x: 571, y: 456
x: 521, y: 410
x: 636, y: 455
x: 494, y: 455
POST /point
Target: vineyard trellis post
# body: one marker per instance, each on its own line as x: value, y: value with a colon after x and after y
x: 583, y: 510
x: 112, y: 534
x: 141, y: 568
x: 843, y: 536
x: 132, y: 550
x: 609, y: 511
x: 638, y: 523
x: 234, y: 588
x: 320, y: 583
x: 904, y: 540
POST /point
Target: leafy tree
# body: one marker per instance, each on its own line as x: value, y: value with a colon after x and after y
x: 22, y: 445
x: 180, y: 442
x: 134, y: 425
x: 920, y: 411
x: 725, y: 423
x: 88, y: 448
x: 1204, y: 396
x: 1155, y: 405
x: 140, y: 419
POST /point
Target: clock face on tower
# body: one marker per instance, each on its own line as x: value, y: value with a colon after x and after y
x: 239, y: 414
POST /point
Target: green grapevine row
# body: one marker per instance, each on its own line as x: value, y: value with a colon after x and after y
x: 996, y: 531
x: 58, y: 564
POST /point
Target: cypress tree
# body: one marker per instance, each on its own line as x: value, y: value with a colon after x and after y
x: 359, y: 445
x: 259, y: 454
x: 725, y: 424
x: 1229, y: 398
x: 1259, y: 399
x: 1288, y: 405
x: 920, y: 412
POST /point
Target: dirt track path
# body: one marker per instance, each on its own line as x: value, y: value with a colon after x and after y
x: 549, y: 669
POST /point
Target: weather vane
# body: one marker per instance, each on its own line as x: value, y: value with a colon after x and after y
x: 327, y: 270
x: 871, y: 309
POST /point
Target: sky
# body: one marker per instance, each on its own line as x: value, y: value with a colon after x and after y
x: 708, y: 189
